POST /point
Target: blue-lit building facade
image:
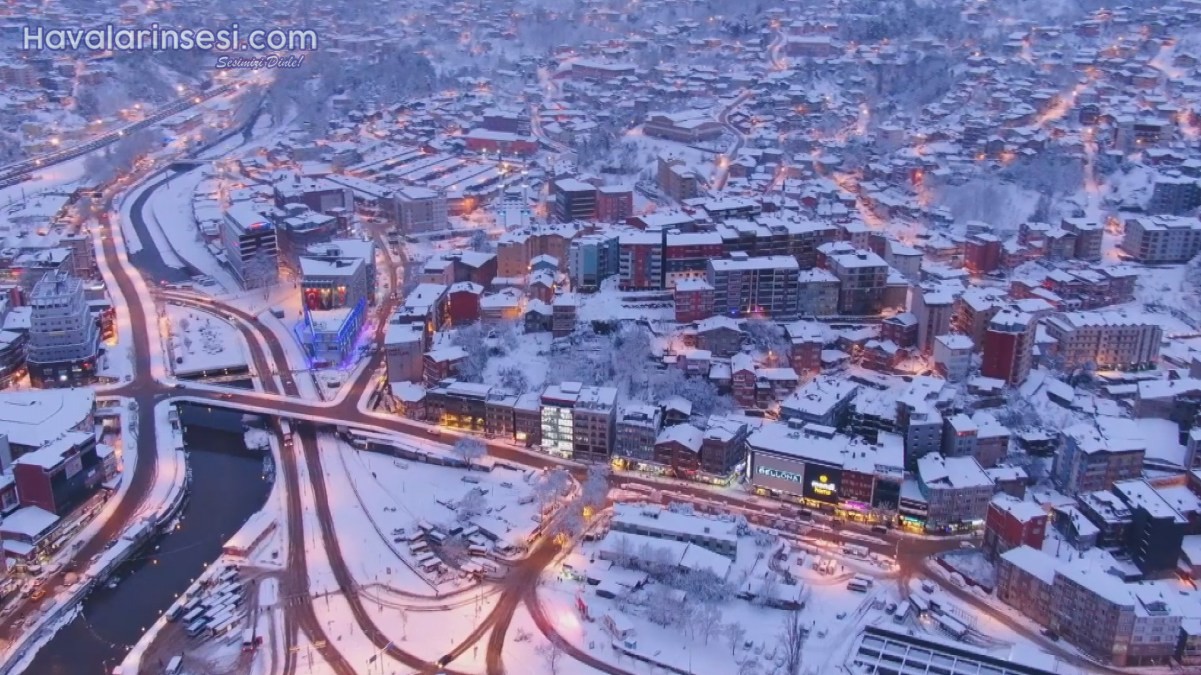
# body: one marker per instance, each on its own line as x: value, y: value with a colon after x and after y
x: 335, y: 294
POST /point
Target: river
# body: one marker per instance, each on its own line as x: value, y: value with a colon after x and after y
x: 228, y: 486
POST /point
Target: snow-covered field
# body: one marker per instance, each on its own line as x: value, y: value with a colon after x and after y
x: 381, y: 499
x: 201, y: 342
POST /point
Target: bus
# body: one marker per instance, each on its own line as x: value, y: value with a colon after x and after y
x: 192, y: 615
x: 174, y: 665
x: 854, y: 550
x: 902, y: 612
x: 228, y: 622
x: 952, y: 626
x: 285, y: 431
x: 858, y: 585
x: 197, y: 627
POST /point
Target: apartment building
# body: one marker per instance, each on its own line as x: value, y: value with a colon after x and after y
x: 933, y: 308
x: 1162, y: 239
x: 637, y: 428
x: 746, y: 286
x: 1105, y: 340
x: 862, y: 277
x: 1093, y: 456
x: 1008, y: 349
x: 420, y: 209
x: 956, y: 489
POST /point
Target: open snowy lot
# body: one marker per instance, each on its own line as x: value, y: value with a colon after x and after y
x: 200, y: 342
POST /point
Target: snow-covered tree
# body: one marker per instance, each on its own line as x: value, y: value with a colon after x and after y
x: 471, y: 505
x: 707, y: 621
x: 472, y: 340
x: 595, y: 488
x: 513, y: 378
x: 470, y: 449
x: 702, y: 393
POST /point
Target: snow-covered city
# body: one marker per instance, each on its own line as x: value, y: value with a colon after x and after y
x: 556, y: 337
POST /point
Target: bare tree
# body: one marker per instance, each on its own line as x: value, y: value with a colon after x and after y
x: 766, y: 594
x: 470, y: 449
x: 552, y: 656
x: 707, y: 621
x: 550, y: 487
x: 735, y: 633
x: 514, y: 379
x: 792, y: 638
x: 261, y: 271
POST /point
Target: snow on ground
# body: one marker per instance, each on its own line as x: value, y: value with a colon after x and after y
x: 257, y: 439
x: 530, y: 355
x: 169, y: 210
x: 199, y: 341
x: 686, y: 648
x: 610, y: 304
x: 58, y: 177
x: 386, y: 498
x: 117, y: 362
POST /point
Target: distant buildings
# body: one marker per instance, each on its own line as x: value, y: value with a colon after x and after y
x: 64, y: 341
x: 691, y: 126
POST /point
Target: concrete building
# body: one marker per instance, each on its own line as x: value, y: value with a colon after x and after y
x: 64, y: 341
x: 420, y: 209
x: 745, y: 286
x: 1011, y: 523
x: 1162, y: 239
x: 953, y: 356
x: 1008, y: 352
x: 573, y: 199
x: 1095, y: 456
x: 862, y: 277
x: 933, y: 308
x: 1104, y: 340
x: 956, y: 489
x: 637, y: 428
x: 251, y: 246
x: 579, y: 422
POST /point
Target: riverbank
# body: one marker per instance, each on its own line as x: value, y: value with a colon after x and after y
x: 165, y: 497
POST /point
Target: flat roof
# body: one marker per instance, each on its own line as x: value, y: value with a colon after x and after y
x: 35, y: 418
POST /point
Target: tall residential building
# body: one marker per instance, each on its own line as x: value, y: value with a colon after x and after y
x: 1009, y: 347
x: 677, y: 179
x: 1162, y: 239
x: 420, y: 209
x: 1093, y: 456
x: 573, y: 200
x: 933, y: 308
x: 591, y: 259
x: 251, y: 246
x: 579, y: 422
x: 862, y: 277
x: 64, y: 341
x: 1105, y: 340
x: 745, y: 286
